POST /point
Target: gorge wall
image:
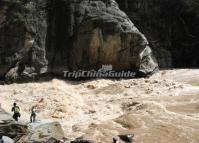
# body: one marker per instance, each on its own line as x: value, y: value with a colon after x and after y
x: 171, y: 27
x: 49, y: 36
x: 54, y: 36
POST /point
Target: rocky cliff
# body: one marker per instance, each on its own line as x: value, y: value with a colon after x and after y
x: 49, y: 36
x: 23, y: 28
x: 52, y: 36
x: 171, y: 27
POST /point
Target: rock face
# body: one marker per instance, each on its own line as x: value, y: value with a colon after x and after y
x: 11, y: 129
x: 42, y: 133
x: 53, y: 36
x: 171, y: 28
x: 22, y: 40
x: 98, y: 33
x: 20, y: 133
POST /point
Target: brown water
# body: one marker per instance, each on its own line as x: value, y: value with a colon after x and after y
x: 162, y: 109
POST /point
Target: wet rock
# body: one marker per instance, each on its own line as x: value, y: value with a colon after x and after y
x: 81, y: 140
x: 7, y: 139
x: 91, y: 86
x: 12, y: 74
x: 44, y: 132
x: 2, y: 82
x: 123, y: 138
x: 20, y: 132
x: 52, y: 140
x: 10, y: 128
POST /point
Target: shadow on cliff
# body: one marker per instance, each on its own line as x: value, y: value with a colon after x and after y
x: 171, y: 27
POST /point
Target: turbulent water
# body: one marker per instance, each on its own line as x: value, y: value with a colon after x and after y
x: 161, y: 109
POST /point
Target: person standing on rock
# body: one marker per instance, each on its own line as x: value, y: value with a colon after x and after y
x: 16, y: 111
x: 33, y: 115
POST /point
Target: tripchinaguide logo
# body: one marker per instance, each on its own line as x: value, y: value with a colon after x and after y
x: 105, y: 72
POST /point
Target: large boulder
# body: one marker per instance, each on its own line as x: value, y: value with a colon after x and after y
x: 7, y: 139
x: 97, y: 33
x: 43, y: 131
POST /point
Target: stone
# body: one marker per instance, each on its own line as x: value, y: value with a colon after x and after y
x: 128, y: 138
x: 101, y: 34
x: 39, y: 37
x: 44, y: 132
x: 11, y: 129
x: 81, y: 140
x: 19, y: 132
x: 7, y: 139
x: 52, y: 140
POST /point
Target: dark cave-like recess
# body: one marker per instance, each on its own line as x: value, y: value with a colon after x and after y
x: 58, y: 37
x: 171, y: 27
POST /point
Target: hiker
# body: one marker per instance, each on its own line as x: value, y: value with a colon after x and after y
x: 33, y: 115
x: 16, y: 111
